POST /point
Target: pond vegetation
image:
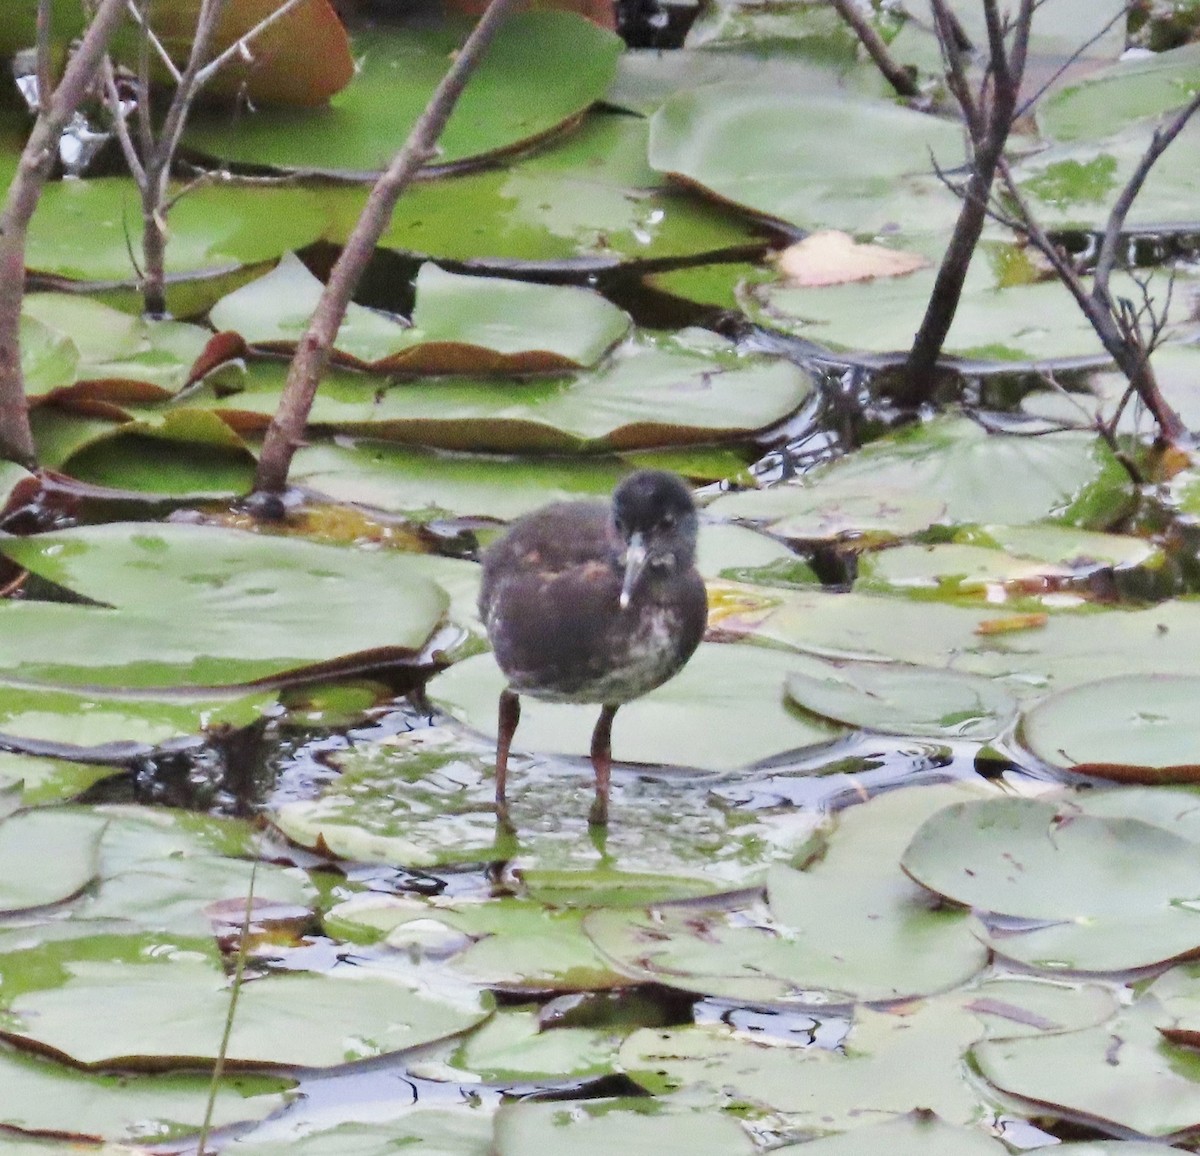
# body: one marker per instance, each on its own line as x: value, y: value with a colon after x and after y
x: 904, y: 860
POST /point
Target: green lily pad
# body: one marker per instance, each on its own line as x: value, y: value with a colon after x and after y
x: 521, y: 91
x: 652, y: 391
x: 889, y: 1064
x: 81, y: 230
x: 943, y: 472
x: 511, y: 944
x: 510, y: 1046
x: 50, y: 780
x: 117, y: 725
x: 724, y: 710
x: 588, y: 199
x: 462, y: 1131
x: 188, y: 605
x: 1115, y: 893
x: 38, y: 1096
x: 114, y: 349
x: 46, y: 856
x: 1108, y: 100
x: 1118, y: 1074
x: 426, y: 798
x: 1131, y: 728
x: 639, y: 1127
x: 849, y: 927
x: 916, y: 1134
x: 460, y: 324
x: 908, y: 700
x: 172, y: 1015
x: 996, y: 327
x: 747, y: 143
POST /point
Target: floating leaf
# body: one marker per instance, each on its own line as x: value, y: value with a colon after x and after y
x: 1115, y: 893
x: 1130, y: 728
x: 460, y: 324
x: 196, y: 605
x: 909, y: 700
x: 46, y: 856
x: 521, y: 91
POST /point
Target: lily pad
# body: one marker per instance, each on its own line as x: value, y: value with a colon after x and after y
x: 511, y: 944
x: 460, y: 324
x: 426, y: 798
x: 116, y: 725
x: 520, y: 92
x: 638, y: 1127
x: 38, y: 1096
x: 916, y: 1134
x: 511, y: 1047
x: 942, y: 472
x: 1114, y: 893
x: 652, y: 391
x: 172, y: 1015
x: 188, y: 605
x: 724, y: 710
x: 46, y: 856
x: 1108, y: 100
x: 849, y: 927
x: 909, y: 700
x: 1119, y: 1074
x: 1139, y: 729
x: 754, y: 145
x: 458, y: 1131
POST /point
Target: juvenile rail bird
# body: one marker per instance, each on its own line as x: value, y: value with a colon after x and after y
x: 593, y: 602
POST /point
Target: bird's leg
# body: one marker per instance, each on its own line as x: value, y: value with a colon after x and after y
x: 602, y: 764
x: 510, y: 715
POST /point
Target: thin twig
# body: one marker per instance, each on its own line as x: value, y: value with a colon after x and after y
x: 44, y: 82
x: 241, y: 46
x: 899, y: 77
x: 286, y: 431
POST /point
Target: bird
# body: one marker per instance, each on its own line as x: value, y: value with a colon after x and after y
x: 593, y: 602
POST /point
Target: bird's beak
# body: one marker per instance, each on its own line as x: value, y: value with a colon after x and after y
x: 635, y: 563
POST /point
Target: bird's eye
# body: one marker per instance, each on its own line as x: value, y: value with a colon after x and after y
x: 667, y: 521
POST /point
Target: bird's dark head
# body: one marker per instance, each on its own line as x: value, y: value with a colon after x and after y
x: 655, y: 516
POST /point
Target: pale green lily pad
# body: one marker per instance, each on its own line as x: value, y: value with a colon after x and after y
x: 742, y: 554
x: 510, y: 1047
x: 50, y: 780
x: 11, y: 476
x: 1120, y: 1074
x: 724, y: 710
x: 507, y: 943
x: 849, y: 927
x: 81, y: 231
x: 996, y: 328
x: 522, y: 90
x: 916, y: 1134
x: 460, y: 324
x: 1074, y: 185
x: 1176, y: 809
x: 1115, y: 893
x: 426, y: 798
x: 1107, y: 101
x: 652, y: 391
x: 46, y: 856
x: 38, y: 1096
x: 636, y: 1127
x: 192, y: 605
x: 167, y: 1015
x: 586, y: 200
x: 115, y: 347
x: 909, y: 700
x: 1127, y: 727
x: 753, y: 145
x: 465, y: 1131
x: 123, y: 725
x: 890, y: 1063
x: 942, y: 472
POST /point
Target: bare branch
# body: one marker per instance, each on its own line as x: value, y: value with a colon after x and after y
x: 286, y: 431
x: 896, y: 74
x: 56, y: 108
x: 241, y: 46
x: 44, y: 81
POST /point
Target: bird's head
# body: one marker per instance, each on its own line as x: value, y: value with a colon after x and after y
x: 655, y: 518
